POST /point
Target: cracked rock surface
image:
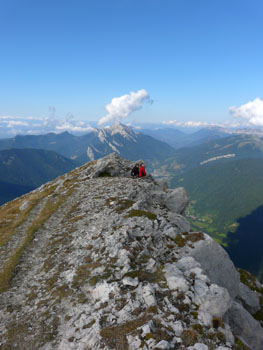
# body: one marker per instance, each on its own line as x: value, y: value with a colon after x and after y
x: 98, y: 260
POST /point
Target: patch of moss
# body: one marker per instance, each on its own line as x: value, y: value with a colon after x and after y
x: 239, y: 345
x: 249, y: 280
x: 124, y: 205
x: 194, y: 314
x: 148, y: 214
x: 94, y: 280
x: 61, y: 292
x: 221, y: 337
x: 50, y: 283
x: 217, y: 322
x: 105, y: 174
x: 180, y: 241
x: 161, y: 332
x: 115, y: 337
x: 148, y: 336
x: 142, y: 275
x: 82, y: 275
x: 81, y: 298
x: 120, y: 303
x: 198, y: 328
x: 195, y: 237
x: 88, y: 325
x: 189, y: 337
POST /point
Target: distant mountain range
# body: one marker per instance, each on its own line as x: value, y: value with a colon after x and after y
x: 236, y: 146
x: 22, y: 170
x: 178, y: 139
x: 98, y: 143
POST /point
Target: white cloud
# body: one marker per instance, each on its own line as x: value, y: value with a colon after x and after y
x: 12, y: 123
x: 190, y: 123
x: 6, y: 117
x: 74, y: 128
x: 200, y: 124
x: 121, y: 107
x: 251, y: 111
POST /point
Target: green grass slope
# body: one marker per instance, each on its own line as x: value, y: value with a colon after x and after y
x: 223, y: 197
x: 225, y: 191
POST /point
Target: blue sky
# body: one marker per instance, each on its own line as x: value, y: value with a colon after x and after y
x: 67, y: 59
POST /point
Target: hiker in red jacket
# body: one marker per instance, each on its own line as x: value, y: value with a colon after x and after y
x: 142, y: 171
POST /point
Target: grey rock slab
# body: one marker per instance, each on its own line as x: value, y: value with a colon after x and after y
x: 217, y: 265
x: 179, y: 222
x: 217, y: 301
x: 198, y: 346
x: 149, y: 295
x: 245, y: 326
x: 174, y: 278
x: 187, y: 263
x: 249, y: 299
x: 176, y: 200
x: 128, y: 281
x: 177, y: 328
x: 163, y: 344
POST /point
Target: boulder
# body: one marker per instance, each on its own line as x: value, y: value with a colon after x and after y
x: 176, y: 200
x: 245, y: 326
x: 216, y: 263
x: 249, y: 299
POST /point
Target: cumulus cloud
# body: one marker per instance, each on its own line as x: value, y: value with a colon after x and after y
x: 121, y: 107
x: 252, y: 112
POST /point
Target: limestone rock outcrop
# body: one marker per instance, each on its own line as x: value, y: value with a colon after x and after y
x: 98, y: 260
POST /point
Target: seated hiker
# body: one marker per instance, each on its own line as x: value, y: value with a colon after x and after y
x: 142, y: 171
x: 135, y: 171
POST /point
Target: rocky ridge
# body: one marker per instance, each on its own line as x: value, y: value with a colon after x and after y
x: 98, y: 260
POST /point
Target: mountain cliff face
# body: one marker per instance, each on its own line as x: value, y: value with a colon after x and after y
x: 98, y: 260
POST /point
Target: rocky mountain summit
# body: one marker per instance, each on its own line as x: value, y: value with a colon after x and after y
x: 98, y: 260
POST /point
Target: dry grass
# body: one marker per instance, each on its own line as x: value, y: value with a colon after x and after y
x: 8, y: 269
x: 189, y: 337
x: 11, y: 216
x: 115, y: 337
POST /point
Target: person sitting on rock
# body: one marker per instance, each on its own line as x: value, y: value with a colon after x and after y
x: 142, y: 171
x: 135, y: 171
